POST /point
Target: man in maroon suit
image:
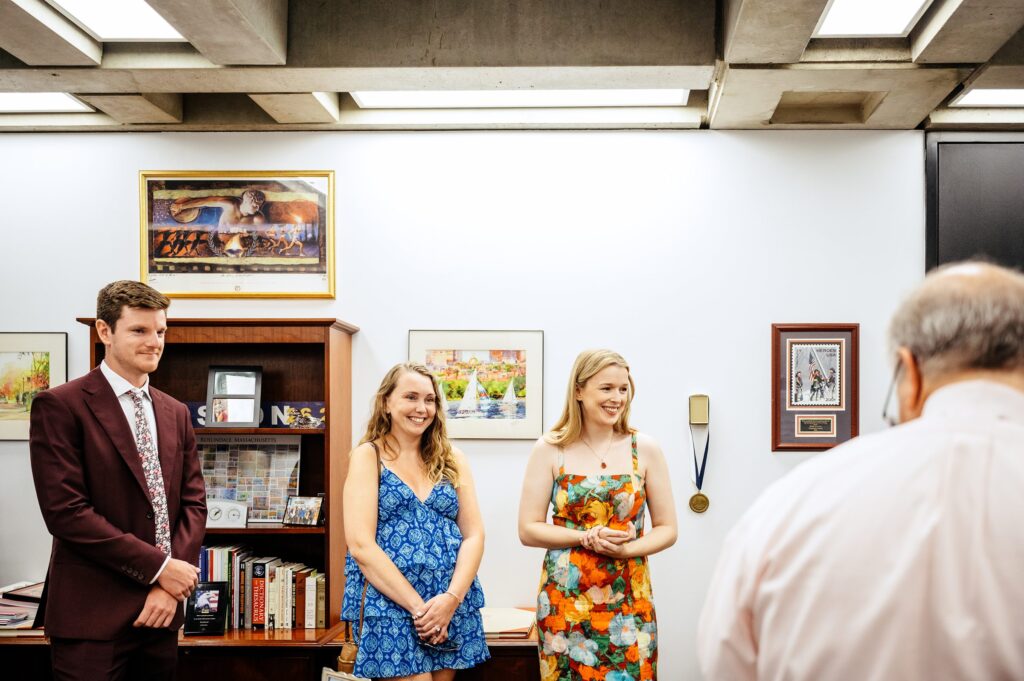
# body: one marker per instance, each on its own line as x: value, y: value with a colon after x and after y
x: 121, y: 490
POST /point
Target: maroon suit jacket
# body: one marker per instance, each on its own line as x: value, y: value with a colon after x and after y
x: 93, y: 496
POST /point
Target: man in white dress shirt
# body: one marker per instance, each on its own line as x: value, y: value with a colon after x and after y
x: 898, y: 555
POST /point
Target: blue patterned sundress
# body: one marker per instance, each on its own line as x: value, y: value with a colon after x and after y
x: 422, y: 539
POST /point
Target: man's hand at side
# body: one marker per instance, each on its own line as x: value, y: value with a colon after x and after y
x: 159, y: 610
x: 179, y: 578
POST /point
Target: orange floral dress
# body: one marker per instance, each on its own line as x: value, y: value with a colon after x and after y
x: 595, y: 614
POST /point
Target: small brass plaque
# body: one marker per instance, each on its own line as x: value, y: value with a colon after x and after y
x: 699, y: 410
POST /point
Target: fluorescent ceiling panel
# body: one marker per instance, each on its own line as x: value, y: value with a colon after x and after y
x: 40, y: 102
x: 991, y: 98
x: 870, y: 18
x: 118, y: 20
x: 509, y: 99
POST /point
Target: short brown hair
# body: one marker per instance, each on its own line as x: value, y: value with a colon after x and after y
x: 118, y: 294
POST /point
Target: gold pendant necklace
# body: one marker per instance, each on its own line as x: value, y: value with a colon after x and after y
x: 607, y: 449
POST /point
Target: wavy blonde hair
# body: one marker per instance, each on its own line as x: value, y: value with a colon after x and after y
x: 588, y: 363
x: 435, y: 449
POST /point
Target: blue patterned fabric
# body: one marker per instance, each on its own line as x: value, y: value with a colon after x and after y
x: 422, y: 539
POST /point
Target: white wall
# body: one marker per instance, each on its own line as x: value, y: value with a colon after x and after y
x: 678, y: 249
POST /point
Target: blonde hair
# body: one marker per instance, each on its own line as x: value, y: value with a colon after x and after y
x: 435, y: 449
x: 586, y: 366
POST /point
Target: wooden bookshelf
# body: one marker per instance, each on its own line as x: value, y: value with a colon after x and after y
x: 303, y: 360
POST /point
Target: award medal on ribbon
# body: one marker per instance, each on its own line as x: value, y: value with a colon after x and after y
x: 699, y: 501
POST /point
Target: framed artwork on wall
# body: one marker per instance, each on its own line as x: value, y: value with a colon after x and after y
x: 491, y: 381
x: 814, y: 385
x: 29, y: 364
x: 238, y: 234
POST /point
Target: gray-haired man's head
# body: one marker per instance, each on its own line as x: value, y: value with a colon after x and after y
x: 965, y: 317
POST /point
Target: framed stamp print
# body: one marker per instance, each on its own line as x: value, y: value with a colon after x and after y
x: 303, y: 511
x: 237, y: 234
x: 29, y: 364
x: 814, y: 385
x: 490, y: 380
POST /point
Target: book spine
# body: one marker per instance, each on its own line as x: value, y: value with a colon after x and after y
x: 300, y: 600
x: 321, y: 602
x: 239, y: 620
x: 249, y: 600
x: 310, y: 604
x: 270, y: 604
x: 228, y: 577
x: 289, y: 590
x: 259, y: 589
x: 283, y: 592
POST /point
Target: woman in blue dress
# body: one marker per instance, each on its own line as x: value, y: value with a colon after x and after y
x: 415, y: 539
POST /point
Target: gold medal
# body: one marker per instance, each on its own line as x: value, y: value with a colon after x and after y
x: 699, y: 503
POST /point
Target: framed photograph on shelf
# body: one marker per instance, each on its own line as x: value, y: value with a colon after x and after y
x: 490, y: 380
x: 814, y: 385
x: 206, y: 610
x: 303, y: 511
x: 238, y: 234
x: 29, y: 364
x: 233, y: 396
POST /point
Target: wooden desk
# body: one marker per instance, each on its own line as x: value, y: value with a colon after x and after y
x: 511, y: 660
x: 257, y: 656
x: 296, y: 655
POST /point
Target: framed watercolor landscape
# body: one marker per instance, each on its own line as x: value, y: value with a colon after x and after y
x: 491, y: 381
x: 29, y: 364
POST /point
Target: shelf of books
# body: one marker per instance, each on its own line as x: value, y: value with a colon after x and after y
x: 280, y: 576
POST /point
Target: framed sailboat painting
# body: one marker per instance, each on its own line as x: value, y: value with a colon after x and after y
x: 491, y: 381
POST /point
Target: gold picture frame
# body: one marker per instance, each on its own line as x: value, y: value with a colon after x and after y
x: 238, y: 234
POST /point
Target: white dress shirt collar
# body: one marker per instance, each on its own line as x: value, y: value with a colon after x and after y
x: 120, y: 384
x: 970, y: 400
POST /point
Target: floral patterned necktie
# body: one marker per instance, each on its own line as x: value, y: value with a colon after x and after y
x: 154, y: 475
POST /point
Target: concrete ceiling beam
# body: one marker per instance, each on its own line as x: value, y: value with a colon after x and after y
x: 305, y: 107
x: 889, y: 96
x: 215, y: 113
x: 258, y: 80
x: 39, y: 35
x: 851, y: 50
x: 950, y: 118
x: 965, y: 31
x: 235, y: 32
x: 526, y: 33
x: 140, y: 108
x: 769, y: 31
x: 1005, y: 70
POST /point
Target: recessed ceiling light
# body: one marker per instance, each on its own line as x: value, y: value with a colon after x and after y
x: 40, y: 102
x: 118, y: 20
x: 506, y: 99
x: 870, y: 18
x: 994, y: 98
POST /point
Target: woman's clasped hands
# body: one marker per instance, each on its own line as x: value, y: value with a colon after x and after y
x: 606, y: 541
x: 431, y: 621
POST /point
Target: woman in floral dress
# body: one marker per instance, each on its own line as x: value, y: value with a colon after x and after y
x: 595, y: 612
